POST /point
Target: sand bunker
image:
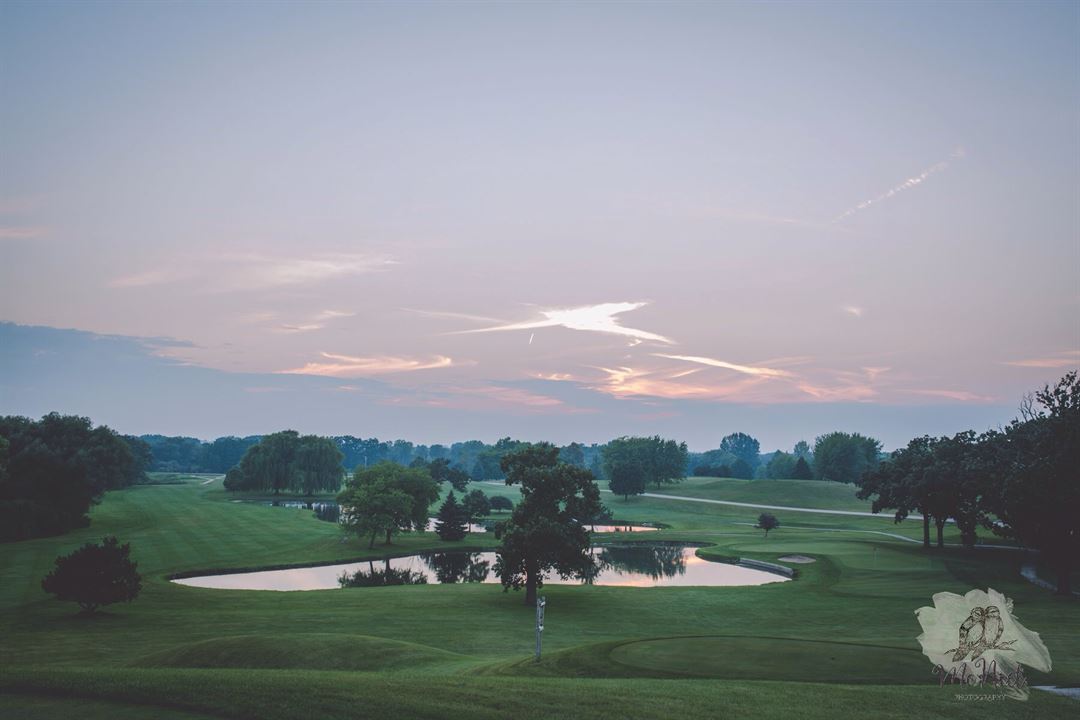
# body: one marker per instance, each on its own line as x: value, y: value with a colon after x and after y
x: 797, y: 559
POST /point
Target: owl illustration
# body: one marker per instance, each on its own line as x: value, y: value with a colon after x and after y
x: 972, y: 631
x: 992, y: 629
x: 979, y: 633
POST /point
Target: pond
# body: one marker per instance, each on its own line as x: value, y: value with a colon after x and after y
x: 630, y: 565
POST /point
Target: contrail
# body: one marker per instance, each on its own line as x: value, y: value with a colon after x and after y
x: 906, y: 185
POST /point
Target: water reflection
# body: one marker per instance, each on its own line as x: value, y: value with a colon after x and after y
x: 651, y: 561
x: 637, y: 565
x: 377, y: 577
x: 458, y: 567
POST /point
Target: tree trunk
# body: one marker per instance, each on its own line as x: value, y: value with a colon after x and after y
x: 925, y: 530
x: 372, y: 543
x: 388, y: 531
x: 530, y: 588
x: 939, y: 523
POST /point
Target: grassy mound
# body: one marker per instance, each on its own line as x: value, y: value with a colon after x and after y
x: 312, y: 651
x: 757, y: 658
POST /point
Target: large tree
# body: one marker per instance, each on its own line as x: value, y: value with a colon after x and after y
x: 781, y: 465
x: 1036, y: 499
x: 661, y: 461
x: 844, y: 457
x: 743, y: 447
x: 626, y: 479
x: 415, y: 484
x: 900, y: 483
x: 318, y: 465
x: 372, y: 508
x: 572, y: 454
x: 546, y: 530
x: 287, y: 461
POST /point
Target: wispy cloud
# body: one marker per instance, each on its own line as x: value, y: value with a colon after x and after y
x: 1069, y: 358
x: 25, y: 232
x: 628, y: 381
x: 591, y: 318
x: 839, y: 393
x: 853, y: 310
x: 300, y: 328
x: 346, y: 366
x: 483, y: 397
x: 958, y: 395
x: 745, y: 369
x: 253, y: 271
x: 453, y: 315
x: 911, y: 182
x: 317, y: 322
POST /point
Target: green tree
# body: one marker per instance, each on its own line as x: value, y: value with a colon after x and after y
x: 781, y: 466
x: 743, y: 447
x: 416, y: 484
x: 372, y: 508
x: 500, y: 503
x: 626, y: 479
x: 57, y: 468
x: 95, y: 575
x: 547, y: 528
x: 451, y: 522
x: 900, y: 483
x: 801, y: 449
x: 844, y: 457
x: 572, y: 454
x: 767, y: 522
x: 317, y: 465
x: 661, y: 461
x: 476, y: 505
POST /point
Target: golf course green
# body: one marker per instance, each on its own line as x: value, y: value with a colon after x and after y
x: 839, y: 641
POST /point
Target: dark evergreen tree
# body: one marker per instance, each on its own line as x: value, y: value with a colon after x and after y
x: 451, y: 522
x: 802, y: 470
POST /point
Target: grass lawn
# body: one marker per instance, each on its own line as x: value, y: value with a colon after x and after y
x: 839, y: 641
x: 794, y: 493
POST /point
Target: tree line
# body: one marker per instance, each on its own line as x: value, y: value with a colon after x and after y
x: 838, y: 456
x: 1021, y: 482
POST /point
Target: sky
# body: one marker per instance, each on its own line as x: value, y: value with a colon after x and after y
x: 567, y: 221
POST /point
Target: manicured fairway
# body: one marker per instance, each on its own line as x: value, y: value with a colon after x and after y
x: 837, y: 641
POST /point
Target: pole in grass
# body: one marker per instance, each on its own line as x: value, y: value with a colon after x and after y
x: 540, y: 603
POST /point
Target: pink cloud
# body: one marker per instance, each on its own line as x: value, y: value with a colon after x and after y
x: 349, y: 366
x: 1069, y: 358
